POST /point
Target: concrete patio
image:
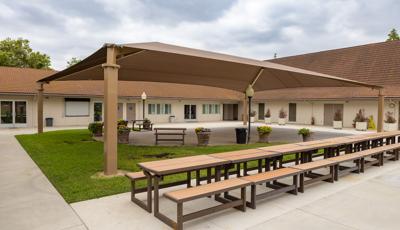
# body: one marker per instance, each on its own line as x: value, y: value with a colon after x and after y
x: 364, y: 201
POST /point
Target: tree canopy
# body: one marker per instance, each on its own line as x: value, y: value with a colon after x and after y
x: 18, y: 53
x: 393, y: 35
x: 73, y: 61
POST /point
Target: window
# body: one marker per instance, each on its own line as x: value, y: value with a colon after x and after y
x: 159, y: 108
x: 98, y: 111
x: 211, y: 109
x: 77, y: 107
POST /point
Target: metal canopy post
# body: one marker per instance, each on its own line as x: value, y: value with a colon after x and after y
x: 110, y: 115
x: 40, y: 108
x: 381, y: 105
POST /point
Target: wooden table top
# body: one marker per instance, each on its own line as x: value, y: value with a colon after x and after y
x: 301, y: 147
x: 182, y: 164
x: 245, y: 155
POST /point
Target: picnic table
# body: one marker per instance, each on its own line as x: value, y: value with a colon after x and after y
x: 162, y: 168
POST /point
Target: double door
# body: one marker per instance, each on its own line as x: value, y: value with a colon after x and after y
x: 12, y: 113
x: 190, y: 112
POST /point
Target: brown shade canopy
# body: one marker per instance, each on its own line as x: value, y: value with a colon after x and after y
x: 158, y: 62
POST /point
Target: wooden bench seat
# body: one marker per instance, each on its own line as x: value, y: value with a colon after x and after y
x: 277, y: 186
x: 342, y: 170
x: 178, y: 132
x: 381, y: 154
x: 137, y: 176
x: 307, y: 172
x: 202, y: 191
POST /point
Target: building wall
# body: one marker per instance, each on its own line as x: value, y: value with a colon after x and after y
x: 308, y: 109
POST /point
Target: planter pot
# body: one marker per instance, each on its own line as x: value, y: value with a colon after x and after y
x: 267, y: 120
x: 390, y: 127
x: 203, y: 138
x: 361, y: 126
x: 98, y: 133
x: 263, y: 137
x: 146, y: 125
x: 337, y: 124
x: 306, y: 138
x: 123, y: 136
x: 252, y: 119
x: 281, y: 121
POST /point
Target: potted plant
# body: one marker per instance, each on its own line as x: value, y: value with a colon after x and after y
x: 282, y: 117
x: 263, y: 133
x: 123, y: 132
x: 253, y: 116
x: 338, y: 120
x: 96, y: 128
x: 267, y: 117
x: 390, y: 122
x: 361, y: 121
x: 305, y: 133
x: 203, y: 136
x: 146, y: 124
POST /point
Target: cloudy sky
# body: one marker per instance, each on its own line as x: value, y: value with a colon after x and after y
x: 252, y: 28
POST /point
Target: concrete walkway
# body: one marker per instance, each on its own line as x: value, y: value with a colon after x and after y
x: 27, y: 199
x: 365, y: 201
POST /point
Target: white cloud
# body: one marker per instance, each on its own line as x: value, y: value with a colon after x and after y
x: 249, y: 28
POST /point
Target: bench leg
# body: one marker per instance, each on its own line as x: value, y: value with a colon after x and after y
x: 243, y: 198
x: 238, y: 170
x: 301, y: 188
x: 197, y: 177
x: 295, y: 183
x: 362, y: 164
x: 245, y: 169
x: 332, y: 173
x: 336, y: 172
x: 252, y: 203
x: 179, y: 215
x: 145, y: 205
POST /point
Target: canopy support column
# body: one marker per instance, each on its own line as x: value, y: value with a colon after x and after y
x: 381, y: 108
x: 245, y: 110
x: 110, y: 111
x: 40, y: 109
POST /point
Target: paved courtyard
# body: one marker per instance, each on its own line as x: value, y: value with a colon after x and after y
x: 223, y: 133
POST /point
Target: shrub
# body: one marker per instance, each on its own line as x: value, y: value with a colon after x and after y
x: 201, y: 129
x: 123, y: 128
x: 282, y: 113
x: 95, y: 127
x: 122, y: 122
x: 264, y: 129
x: 312, y: 120
x: 253, y: 113
x: 371, y: 123
x: 360, y: 116
x: 268, y: 113
x: 390, y: 118
x: 304, y: 132
x: 338, y: 115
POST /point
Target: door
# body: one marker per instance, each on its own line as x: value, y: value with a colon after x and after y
x: 190, y: 112
x: 120, y: 111
x: 12, y: 113
x: 6, y: 108
x: 98, y: 112
x: 130, y: 111
x: 329, y: 113
x: 292, y: 112
x: 261, y: 112
x: 230, y: 112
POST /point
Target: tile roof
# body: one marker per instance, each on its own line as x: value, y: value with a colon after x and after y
x: 377, y: 63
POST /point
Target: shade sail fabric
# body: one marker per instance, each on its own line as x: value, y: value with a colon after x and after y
x: 159, y: 62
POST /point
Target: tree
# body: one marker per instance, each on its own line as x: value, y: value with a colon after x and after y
x: 18, y: 53
x: 73, y: 61
x: 393, y: 35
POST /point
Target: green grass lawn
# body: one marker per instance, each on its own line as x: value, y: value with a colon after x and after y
x: 70, y: 158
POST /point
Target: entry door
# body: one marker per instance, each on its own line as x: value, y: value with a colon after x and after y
x: 292, y: 112
x: 190, y: 112
x: 120, y: 111
x: 130, y: 111
x: 329, y: 113
x: 12, y: 113
x: 230, y: 112
x: 261, y: 111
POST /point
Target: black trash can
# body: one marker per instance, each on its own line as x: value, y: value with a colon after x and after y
x: 241, y: 134
x: 49, y: 121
